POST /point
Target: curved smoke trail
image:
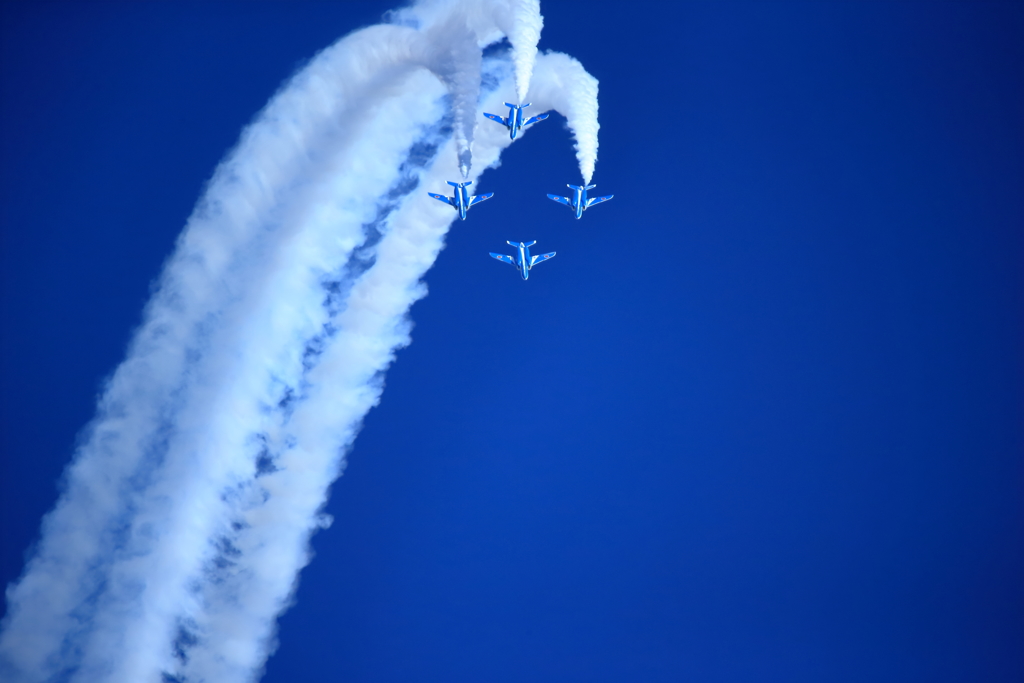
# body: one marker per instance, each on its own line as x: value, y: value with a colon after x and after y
x: 187, y: 511
x: 561, y: 83
x: 524, y: 34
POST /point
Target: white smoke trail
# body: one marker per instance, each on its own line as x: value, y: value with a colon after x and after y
x: 137, y: 510
x: 524, y: 34
x: 476, y: 23
x: 459, y: 68
x: 343, y: 386
x: 188, y: 508
x: 290, y: 314
x: 561, y: 83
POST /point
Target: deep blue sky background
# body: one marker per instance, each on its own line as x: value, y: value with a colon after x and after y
x: 761, y: 420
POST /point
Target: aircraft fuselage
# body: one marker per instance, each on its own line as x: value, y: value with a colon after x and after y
x: 461, y: 200
x: 523, y: 260
x: 579, y: 201
x: 515, y: 121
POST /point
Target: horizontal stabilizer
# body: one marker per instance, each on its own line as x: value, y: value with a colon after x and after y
x: 454, y: 184
x: 503, y: 258
x: 560, y: 200
x: 590, y: 187
x: 479, y: 198
x: 598, y: 200
x: 442, y: 198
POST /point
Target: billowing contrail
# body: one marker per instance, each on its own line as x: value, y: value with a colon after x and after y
x: 524, y: 33
x: 186, y: 513
x: 561, y: 83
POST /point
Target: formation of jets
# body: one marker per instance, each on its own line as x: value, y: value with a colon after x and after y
x: 462, y: 201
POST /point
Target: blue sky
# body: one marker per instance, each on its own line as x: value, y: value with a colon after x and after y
x: 761, y: 419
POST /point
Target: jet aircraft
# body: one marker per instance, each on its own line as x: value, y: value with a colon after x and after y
x: 515, y: 122
x: 523, y: 261
x: 462, y: 200
x: 579, y: 202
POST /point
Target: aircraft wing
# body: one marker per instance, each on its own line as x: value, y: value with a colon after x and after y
x: 535, y: 119
x: 495, y: 117
x: 442, y: 198
x: 503, y: 258
x: 540, y: 259
x: 479, y: 198
x: 598, y: 200
x: 560, y: 200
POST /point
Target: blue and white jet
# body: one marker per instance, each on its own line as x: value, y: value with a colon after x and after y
x: 462, y: 200
x: 523, y: 261
x: 579, y: 202
x: 515, y: 122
